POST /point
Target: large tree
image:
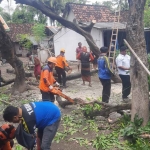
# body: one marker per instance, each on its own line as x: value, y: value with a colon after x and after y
x: 139, y: 81
x: 8, y: 53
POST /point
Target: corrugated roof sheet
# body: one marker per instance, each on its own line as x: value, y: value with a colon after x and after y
x: 110, y: 25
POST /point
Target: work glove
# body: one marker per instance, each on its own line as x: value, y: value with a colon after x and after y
x: 50, y: 87
x: 57, y: 84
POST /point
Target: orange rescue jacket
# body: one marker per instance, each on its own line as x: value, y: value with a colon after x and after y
x: 46, y: 78
x: 61, y: 62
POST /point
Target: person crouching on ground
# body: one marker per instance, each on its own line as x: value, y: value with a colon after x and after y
x: 45, y: 116
x: 60, y: 67
x: 47, y: 80
x: 7, y: 134
x: 85, y: 58
x: 104, y: 74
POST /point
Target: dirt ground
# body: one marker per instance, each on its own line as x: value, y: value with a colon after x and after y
x: 78, y: 138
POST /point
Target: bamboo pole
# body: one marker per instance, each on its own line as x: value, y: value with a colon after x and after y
x: 139, y: 60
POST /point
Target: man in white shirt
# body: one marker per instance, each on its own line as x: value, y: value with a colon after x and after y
x: 123, y: 66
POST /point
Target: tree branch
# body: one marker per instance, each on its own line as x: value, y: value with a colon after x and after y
x: 107, y: 109
x: 89, y: 27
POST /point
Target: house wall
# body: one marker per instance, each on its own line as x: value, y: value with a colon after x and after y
x: 71, y: 16
x: 43, y: 42
x: 20, y: 52
x: 69, y: 40
x: 97, y: 35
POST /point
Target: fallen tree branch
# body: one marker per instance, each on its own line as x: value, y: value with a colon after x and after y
x: 62, y: 104
x: 106, y: 108
x: 97, y: 102
x: 105, y: 111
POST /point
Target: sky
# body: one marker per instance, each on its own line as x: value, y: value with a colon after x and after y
x: 4, y: 3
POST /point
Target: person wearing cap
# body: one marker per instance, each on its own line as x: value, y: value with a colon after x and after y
x: 47, y: 80
x: 60, y: 67
x: 7, y: 134
x: 123, y: 67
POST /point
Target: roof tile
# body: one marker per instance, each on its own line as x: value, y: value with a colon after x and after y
x: 87, y: 13
x: 16, y: 29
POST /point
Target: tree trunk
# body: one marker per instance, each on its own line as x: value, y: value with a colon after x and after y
x: 139, y: 81
x: 8, y: 53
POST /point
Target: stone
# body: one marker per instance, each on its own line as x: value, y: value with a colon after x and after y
x: 100, y: 118
x: 113, y: 117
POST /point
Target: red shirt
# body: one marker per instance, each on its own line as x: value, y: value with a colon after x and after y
x: 78, y: 50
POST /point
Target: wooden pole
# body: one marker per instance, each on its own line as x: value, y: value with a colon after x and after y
x: 139, y: 60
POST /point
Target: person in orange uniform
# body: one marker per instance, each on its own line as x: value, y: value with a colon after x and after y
x: 60, y: 67
x: 7, y: 133
x: 47, y: 80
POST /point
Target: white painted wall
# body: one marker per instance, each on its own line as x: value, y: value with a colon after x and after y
x: 18, y: 51
x: 70, y: 16
x: 69, y: 40
x: 97, y: 35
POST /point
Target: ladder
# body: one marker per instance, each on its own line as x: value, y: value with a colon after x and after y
x: 113, y: 41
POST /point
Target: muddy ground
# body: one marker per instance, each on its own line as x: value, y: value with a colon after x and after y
x: 75, y: 132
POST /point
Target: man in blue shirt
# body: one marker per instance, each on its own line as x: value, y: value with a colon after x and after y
x: 104, y: 73
x: 42, y: 115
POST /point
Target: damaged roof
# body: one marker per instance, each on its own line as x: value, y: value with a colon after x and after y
x: 16, y: 29
x: 26, y: 28
x: 87, y: 13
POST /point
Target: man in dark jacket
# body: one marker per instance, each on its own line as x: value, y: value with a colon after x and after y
x: 42, y: 115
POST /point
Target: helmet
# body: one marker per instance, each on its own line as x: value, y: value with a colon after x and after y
x: 52, y: 60
x: 62, y: 50
x: 7, y: 131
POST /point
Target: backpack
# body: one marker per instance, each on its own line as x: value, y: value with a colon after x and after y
x: 25, y: 139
